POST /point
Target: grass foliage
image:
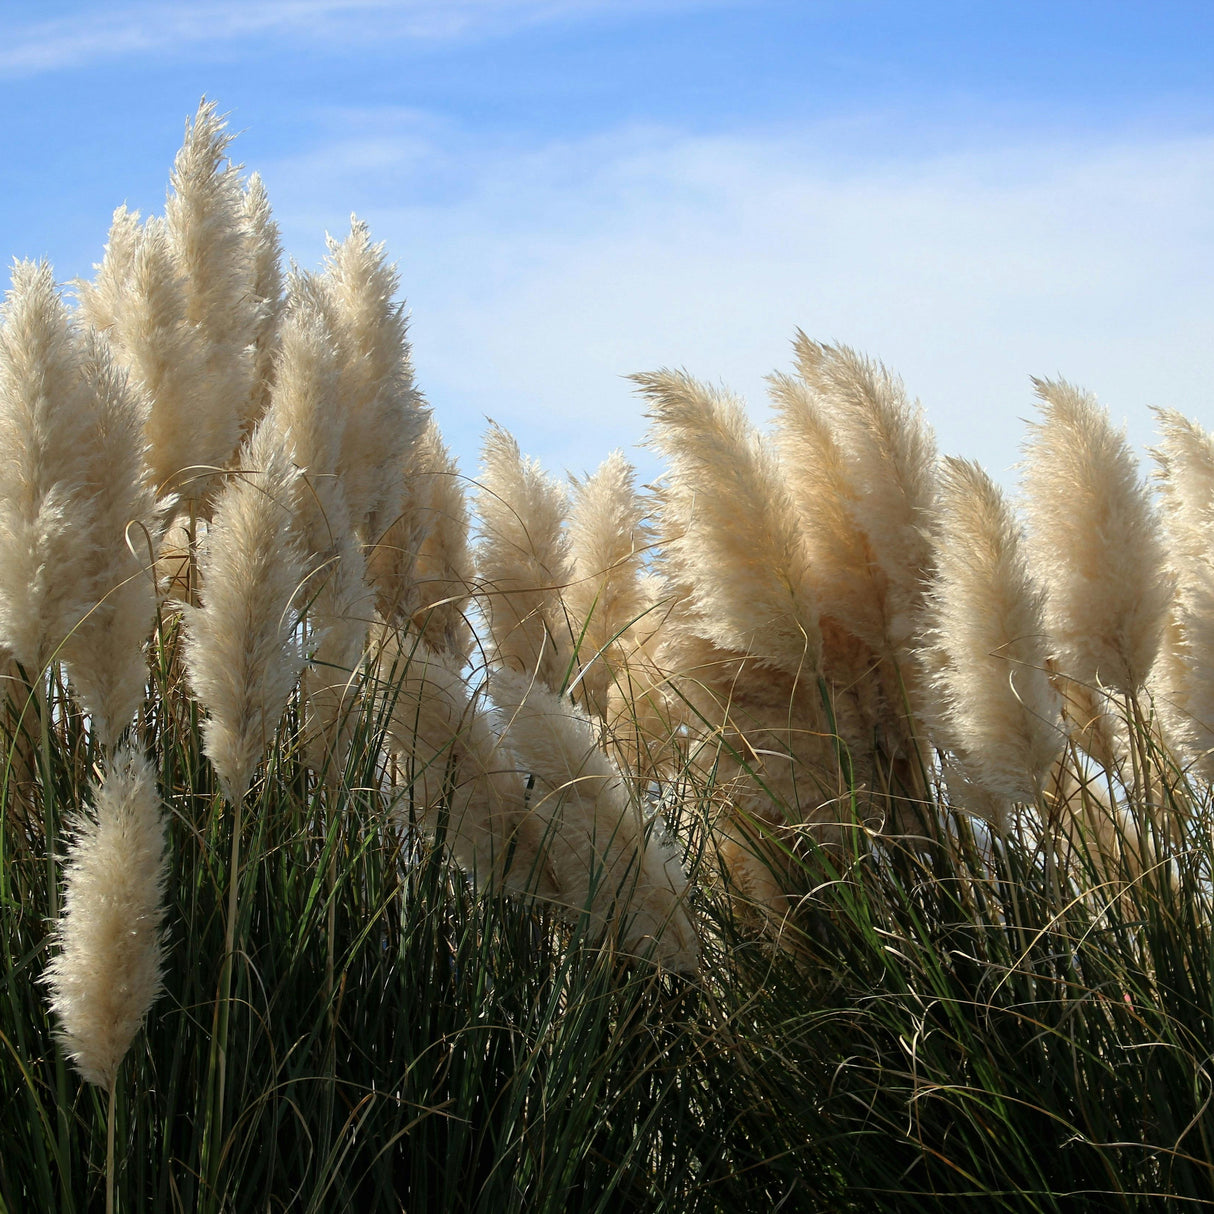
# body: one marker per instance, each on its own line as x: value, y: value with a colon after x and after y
x: 955, y: 1019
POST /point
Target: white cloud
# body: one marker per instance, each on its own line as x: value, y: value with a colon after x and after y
x: 90, y: 33
x: 539, y: 277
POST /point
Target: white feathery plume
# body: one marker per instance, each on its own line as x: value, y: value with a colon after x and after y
x: 48, y: 470
x: 890, y: 457
x: 265, y: 258
x: 340, y: 615
x: 996, y: 707
x: 1094, y: 543
x: 207, y: 230
x: 459, y: 775
x: 850, y: 584
x: 139, y: 302
x: 523, y: 561
x: 242, y: 654
x: 103, y: 300
x: 383, y: 409
x: 1184, y: 673
x: 422, y: 567
x: 607, y: 864
x: 733, y: 535
x: 609, y: 536
x: 108, y: 970
x: 115, y: 566
x: 306, y: 410
x: 1186, y: 480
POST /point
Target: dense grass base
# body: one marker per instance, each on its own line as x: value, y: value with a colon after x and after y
x: 937, y: 1025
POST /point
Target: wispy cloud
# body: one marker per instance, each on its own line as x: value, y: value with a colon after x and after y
x: 88, y: 33
x: 539, y: 276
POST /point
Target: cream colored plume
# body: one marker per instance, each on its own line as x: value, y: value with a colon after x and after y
x: 46, y: 468
x: 208, y: 231
x: 138, y: 300
x: 70, y: 496
x: 107, y: 972
x: 1094, y: 543
x: 609, y: 864
x: 458, y: 777
x: 996, y: 708
x: 850, y: 584
x: 1184, y: 675
x: 242, y: 650
x: 115, y: 564
x: 890, y: 458
x: 382, y: 408
x: 422, y: 568
x: 265, y: 261
x: 732, y: 533
x: 1186, y: 480
x: 523, y: 562
x: 307, y: 413
x: 609, y: 539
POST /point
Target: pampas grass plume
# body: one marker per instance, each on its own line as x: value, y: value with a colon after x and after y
x: 48, y: 470
x: 735, y: 539
x: 997, y: 707
x: 1094, y: 543
x: 454, y: 761
x: 1184, y: 674
x: 606, y: 863
x: 523, y: 561
x: 115, y: 563
x: 108, y: 970
x: 890, y: 459
x: 242, y: 652
x: 609, y: 537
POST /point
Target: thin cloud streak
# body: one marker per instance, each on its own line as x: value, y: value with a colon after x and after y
x: 87, y: 35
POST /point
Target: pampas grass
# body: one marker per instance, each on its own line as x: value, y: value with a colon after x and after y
x: 523, y: 563
x: 610, y: 536
x: 606, y: 863
x: 1094, y: 542
x: 208, y: 232
x: 998, y: 710
x: 422, y: 568
x: 889, y: 454
x: 48, y: 470
x: 1184, y: 676
x: 138, y: 300
x: 107, y: 971
x: 730, y: 529
x: 461, y: 781
x: 104, y: 652
x: 587, y: 870
x: 242, y: 651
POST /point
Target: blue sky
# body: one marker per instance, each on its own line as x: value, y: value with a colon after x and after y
x: 578, y: 189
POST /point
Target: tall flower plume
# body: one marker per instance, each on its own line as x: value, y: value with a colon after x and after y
x: 107, y: 972
x: 242, y: 651
x: 997, y: 708
x: 1094, y: 543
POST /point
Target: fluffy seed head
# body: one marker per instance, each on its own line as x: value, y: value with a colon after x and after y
x: 523, y: 561
x: 1094, y: 542
x: 242, y: 651
x: 734, y: 535
x: 996, y: 707
x: 108, y: 969
x: 606, y: 863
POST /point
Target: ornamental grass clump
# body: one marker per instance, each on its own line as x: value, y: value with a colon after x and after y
x: 814, y: 829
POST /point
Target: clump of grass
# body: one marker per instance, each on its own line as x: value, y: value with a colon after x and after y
x: 792, y: 836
